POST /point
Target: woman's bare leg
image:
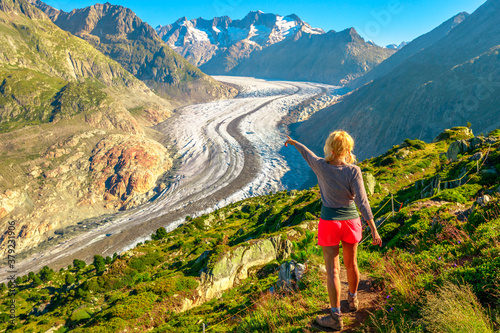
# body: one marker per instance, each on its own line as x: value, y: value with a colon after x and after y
x: 351, y: 264
x: 332, y: 263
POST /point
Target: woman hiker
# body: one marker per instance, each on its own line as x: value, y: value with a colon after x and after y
x: 341, y: 185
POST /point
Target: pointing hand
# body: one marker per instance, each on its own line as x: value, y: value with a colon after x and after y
x: 289, y: 141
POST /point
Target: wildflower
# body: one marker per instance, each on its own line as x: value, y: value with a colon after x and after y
x: 454, y: 265
x: 387, y: 296
x: 439, y: 258
x: 391, y: 309
x: 459, y: 242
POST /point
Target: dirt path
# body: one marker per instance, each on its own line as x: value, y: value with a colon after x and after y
x: 367, y: 296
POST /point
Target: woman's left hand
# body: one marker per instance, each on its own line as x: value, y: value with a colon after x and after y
x: 290, y: 141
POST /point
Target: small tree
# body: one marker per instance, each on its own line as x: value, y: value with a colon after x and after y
x: 31, y: 276
x: 69, y: 279
x: 46, y: 273
x: 3, y: 287
x: 99, y: 263
x: 79, y: 264
x: 469, y: 124
x: 160, y: 234
x: 37, y: 281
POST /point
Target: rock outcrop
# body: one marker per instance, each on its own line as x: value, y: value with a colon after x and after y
x: 80, y: 177
x: 123, y: 167
x: 290, y: 274
x: 233, y: 266
x: 370, y: 182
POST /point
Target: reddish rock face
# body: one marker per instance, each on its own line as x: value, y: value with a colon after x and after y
x: 124, y: 167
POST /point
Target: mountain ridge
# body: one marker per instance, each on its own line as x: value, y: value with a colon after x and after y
x: 199, y: 42
x: 422, y: 95
x: 334, y: 58
x: 120, y: 34
x: 410, y: 49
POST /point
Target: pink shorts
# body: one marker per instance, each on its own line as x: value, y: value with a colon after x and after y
x: 331, y: 232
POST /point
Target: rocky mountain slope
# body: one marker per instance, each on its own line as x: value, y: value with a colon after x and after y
x: 73, y: 137
x: 220, y: 43
x: 334, y: 58
x: 232, y: 270
x: 119, y: 34
x: 408, y: 50
x: 272, y: 46
x: 454, y: 81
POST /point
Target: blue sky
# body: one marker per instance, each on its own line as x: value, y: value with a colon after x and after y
x: 383, y: 21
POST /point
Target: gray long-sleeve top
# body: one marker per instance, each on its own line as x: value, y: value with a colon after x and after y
x: 339, y: 185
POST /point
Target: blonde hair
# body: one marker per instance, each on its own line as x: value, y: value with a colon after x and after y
x: 339, y: 143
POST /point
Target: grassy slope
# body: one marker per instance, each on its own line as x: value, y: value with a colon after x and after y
x: 430, y: 243
x: 43, y: 69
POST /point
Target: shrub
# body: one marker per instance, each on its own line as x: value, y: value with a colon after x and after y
x: 137, y: 264
x: 79, y: 264
x: 99, y: 263
x: 79, y: 316
x: 46, y: 273
x: 309, y: 216
x: 133, y: 306
x: 389, y: 160
x: 160, y: 234
x: 450, y: 195
x: 495, y: 132
x: 418, y: 144
x: 69, y: 279
x: 459, y: 194
x: 37, y: 281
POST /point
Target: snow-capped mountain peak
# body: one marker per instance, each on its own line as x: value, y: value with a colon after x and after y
x: 199, y: 40
x: 395, y: 46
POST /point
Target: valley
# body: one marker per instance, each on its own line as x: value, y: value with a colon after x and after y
x: 229, y: 150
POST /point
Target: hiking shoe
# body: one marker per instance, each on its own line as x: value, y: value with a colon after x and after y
x: 353, y: 302
x: 332, y: 320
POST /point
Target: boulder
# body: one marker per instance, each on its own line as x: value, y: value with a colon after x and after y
x: 454, y: 133
x: 402, y: 153
x: 286, y: 275
x: 490, y: 140
x: 370, y: 183
x: 476, y: 157
x: 476, y: 142
x: 290, y: 274
x: 489, y: 171
x: 456, y: 148
x: 233, y: 265
x: 483, y: 200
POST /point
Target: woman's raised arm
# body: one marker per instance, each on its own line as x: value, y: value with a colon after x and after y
x: 308, y: 155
